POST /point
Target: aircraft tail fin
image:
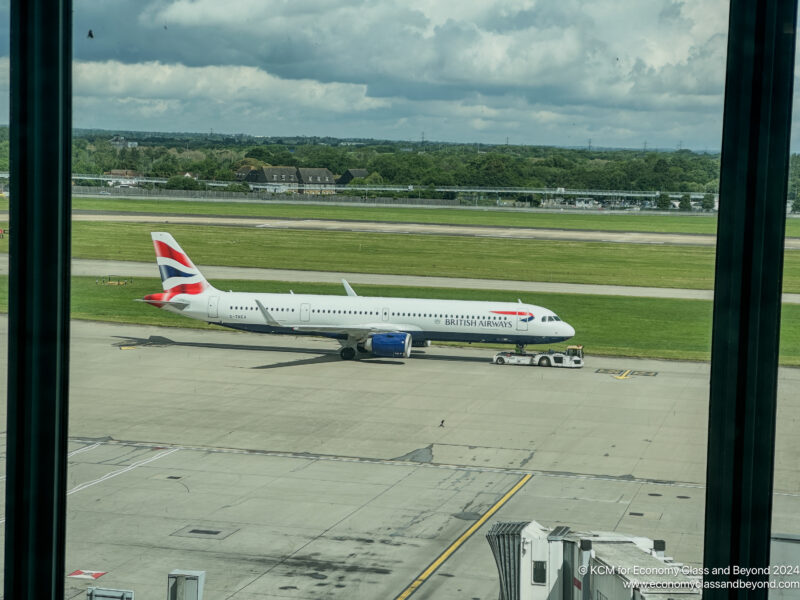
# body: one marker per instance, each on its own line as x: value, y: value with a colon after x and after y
x: 179, y: 275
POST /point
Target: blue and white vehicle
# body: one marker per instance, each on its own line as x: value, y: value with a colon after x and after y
x: 363, y: 325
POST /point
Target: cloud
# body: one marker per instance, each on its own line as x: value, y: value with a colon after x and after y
x: 618, y: 71
x: 112, y: 79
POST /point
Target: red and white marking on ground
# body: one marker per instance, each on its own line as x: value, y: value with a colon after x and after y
x: 79, y: 574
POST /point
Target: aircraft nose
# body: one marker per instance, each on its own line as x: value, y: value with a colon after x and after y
x: 569, y: 330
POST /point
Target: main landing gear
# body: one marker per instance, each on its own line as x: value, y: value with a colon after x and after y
x: 347, y: 353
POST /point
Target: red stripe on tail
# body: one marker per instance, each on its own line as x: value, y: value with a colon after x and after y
x: 187, y: 288
x: 164, y: 251
x: 184, y: 288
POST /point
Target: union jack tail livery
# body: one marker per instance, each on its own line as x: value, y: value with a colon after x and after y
x: 178, y: 273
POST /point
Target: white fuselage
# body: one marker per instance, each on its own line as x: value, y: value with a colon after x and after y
x: 455, y: 320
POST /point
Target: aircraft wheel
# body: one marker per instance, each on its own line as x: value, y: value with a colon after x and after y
x: 347, y: 353
x: 500, y: 360
x: 544, y: 362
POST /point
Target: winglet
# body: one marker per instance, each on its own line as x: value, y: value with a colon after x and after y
x: 350, y: 291
x: 267, y: 317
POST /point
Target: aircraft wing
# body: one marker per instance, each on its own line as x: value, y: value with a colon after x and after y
x: 359, y: 333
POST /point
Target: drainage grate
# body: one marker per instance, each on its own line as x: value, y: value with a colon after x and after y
x: 193, y: 531
x: 205, y: 531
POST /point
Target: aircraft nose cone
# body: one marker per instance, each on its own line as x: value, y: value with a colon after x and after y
x: 569, y: 331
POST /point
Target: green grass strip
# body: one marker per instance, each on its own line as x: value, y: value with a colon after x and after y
x: 596, y: 220
x: 689, y: 267
x: 401, y: 254
x: 606, y: 325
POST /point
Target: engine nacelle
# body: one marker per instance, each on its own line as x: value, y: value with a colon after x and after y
x: 391, y: 345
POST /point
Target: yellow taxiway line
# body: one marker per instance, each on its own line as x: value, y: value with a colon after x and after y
x: 463, y: 538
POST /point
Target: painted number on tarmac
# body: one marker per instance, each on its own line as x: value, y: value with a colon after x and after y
x: 626, y: 373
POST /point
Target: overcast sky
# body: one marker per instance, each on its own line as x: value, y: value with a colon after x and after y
x: 556, y: 72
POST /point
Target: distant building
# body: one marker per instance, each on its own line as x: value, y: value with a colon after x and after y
x: 120, y: 142
x: 351, y: 174
x: 302, y: 180
x: 284, y: 177
x: 243, y: 172
x: 315, y: 181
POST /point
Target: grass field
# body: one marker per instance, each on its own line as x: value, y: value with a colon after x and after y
x: 595, y: 220
x: 606, y: 325
x: 446, y: 256
x: 608, y: 221
x: 690, y: 267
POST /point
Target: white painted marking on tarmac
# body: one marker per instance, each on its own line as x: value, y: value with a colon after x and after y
x: 108, y: 476
x: 84, y: 449
x: 71, y: 454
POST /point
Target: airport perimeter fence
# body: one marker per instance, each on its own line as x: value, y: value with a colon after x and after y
x: 255, y: 196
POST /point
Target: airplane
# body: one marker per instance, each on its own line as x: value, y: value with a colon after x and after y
x: 363, y: 325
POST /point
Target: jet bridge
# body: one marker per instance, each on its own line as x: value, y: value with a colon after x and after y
x: 537, y: 563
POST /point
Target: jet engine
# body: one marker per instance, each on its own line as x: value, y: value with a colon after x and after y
x: 392, y: 345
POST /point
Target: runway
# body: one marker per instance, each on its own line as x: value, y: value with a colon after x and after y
x: 518, y: 233
x: 283, y: 471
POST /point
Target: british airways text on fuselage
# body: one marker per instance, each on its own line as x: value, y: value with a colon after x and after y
x: 474, y: 323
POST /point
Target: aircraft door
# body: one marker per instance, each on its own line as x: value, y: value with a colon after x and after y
x: 213, y: 303
x: 385, y: 314
x: 522, y: 321
x: 305, y: 312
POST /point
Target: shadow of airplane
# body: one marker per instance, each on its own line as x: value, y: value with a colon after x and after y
x: 323, y: 355
x: 448, y: 358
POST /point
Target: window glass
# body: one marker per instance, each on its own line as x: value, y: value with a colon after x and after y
x: 511, y: 117
x: 539, y: 572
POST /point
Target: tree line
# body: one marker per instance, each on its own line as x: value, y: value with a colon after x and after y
x: 424, y: 164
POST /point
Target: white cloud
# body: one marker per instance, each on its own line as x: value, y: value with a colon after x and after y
x: 154, y: 80
x: 538, y: 71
